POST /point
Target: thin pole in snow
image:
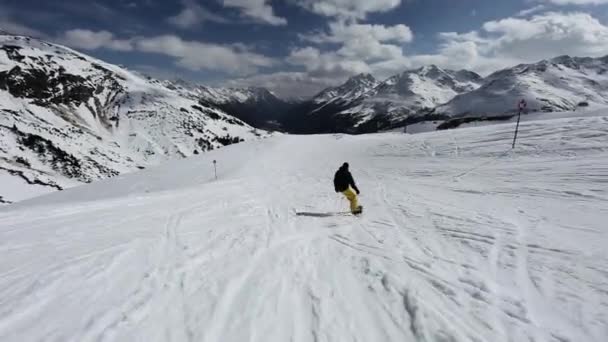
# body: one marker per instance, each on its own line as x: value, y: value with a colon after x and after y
x: 215, y: 168
x: 516, y: 128
x: 522, y: 106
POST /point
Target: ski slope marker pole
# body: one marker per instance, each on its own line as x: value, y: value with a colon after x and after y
x: 215, y: 168
x: 522, y: 106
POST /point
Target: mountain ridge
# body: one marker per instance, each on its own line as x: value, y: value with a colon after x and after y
x: 68, y: 118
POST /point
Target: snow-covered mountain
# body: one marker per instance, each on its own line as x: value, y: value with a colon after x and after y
x: 429, y: 93
x: 363, y: 104
x: 560, y: 84
x: 67, y: 118
x: 256, y: 106
x: 317, y: 115
x: 402, y: 96
x: 353, y: 89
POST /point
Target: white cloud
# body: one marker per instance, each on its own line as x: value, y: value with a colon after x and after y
x: 91, y: 40
x: 362, y: 48
x: 532, y: 10
x: 370, y: 50
x: 549, y: 34
x: 193, y: 15
x: 195, y: 55
x: 259, y: 10
x: 341, y: 32
x: 308, y: 57
x: 456, y: 55
x: 510, y: 41
x: 348, y: 8
x: 190, y: 55
x: 328, y: 64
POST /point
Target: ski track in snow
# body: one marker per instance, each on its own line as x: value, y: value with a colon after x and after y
x: 462, y: 239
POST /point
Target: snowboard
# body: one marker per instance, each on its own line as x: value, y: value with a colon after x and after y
x: 359, y: 211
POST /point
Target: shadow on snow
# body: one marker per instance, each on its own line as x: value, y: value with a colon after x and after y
x: 328, y: 214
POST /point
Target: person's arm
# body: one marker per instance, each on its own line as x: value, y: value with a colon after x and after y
x: 336, y: 183
x: 352, y: 183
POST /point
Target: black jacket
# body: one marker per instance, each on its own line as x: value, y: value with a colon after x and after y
x: 343, y: 179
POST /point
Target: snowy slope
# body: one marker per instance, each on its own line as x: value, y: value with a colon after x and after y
x: 236, y: 95
x: 555, y: 85
x: 256, y: 106
x: 462, y: 239
x: 67, y: 118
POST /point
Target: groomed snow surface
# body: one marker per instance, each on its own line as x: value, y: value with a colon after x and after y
x: 462, y: 239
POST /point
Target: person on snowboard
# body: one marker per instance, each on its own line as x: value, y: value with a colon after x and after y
x: 344, y: 183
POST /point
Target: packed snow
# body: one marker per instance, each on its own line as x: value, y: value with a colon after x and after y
x: 461, y: 239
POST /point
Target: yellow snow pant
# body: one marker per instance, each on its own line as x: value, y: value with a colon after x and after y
x: 351, y: 195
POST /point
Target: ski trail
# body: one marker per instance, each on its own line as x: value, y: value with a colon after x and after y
x: 514, y: 253
x: 529, y: 289
x: 162, y: 278
x: 494, y: 287
x: 226, y: 305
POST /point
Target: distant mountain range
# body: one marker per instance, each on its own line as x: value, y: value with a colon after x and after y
x: 559, y: 84
x: 363, y: 104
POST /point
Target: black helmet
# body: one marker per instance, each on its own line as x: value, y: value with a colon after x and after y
x: 345, y: 166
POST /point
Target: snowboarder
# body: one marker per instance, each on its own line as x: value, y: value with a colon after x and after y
x: 344, y: 183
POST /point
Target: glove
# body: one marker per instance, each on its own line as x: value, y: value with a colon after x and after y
x: 358, y: 192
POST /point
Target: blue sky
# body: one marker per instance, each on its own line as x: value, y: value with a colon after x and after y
x: 297, y: 47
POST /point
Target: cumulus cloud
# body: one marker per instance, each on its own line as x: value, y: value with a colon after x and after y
x: 348, y: 8
x: 355, y: 47
x: 359, y: 47
x: 326, y: 64
x: 505, y: 42
x: 195, y: 55
x: 341, y: 32
x: 193, y: 15
x: 190, y: 55
x: 259, y: 10
x: 370, y: 50
x: 547, y: 35
x: 91, y: 40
